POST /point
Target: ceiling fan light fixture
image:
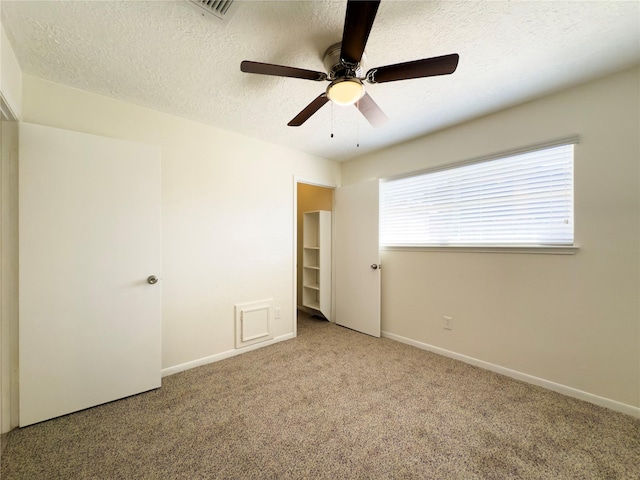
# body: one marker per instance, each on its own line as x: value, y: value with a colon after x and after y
x: 345, y: 91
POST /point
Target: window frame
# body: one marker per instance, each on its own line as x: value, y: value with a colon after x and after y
x: 528, y: 249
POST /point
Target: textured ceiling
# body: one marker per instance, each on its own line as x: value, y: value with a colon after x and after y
x: 169, y: 57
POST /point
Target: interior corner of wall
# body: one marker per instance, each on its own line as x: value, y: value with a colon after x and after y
x: 10, y: 77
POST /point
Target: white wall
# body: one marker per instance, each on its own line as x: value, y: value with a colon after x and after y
x: 227, y: 213
x: 573, y: 320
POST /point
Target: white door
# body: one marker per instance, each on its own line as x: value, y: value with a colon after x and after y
x: 357, y: 258
x: 89, y: 225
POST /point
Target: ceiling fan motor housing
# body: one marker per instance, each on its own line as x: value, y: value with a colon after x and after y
x: 335, y: 68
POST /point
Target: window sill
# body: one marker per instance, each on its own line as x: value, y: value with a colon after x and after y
x: 526, y: 249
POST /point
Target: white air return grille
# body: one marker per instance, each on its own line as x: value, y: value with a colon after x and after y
x: 221, y: 9
x: 253, y: 322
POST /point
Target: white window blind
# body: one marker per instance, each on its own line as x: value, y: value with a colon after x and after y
x: 524, y: 199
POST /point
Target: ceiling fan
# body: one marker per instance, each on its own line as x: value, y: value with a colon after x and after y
x: 342, y: 61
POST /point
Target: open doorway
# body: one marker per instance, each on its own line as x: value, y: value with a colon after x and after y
x: 309, y: 198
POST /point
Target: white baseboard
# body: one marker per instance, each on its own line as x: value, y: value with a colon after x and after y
x: 221, y: 356
x: 541, y: 382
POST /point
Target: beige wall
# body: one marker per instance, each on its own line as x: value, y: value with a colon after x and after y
x: 310, y: 198
x: 569, y: 319
x: 227, y: 213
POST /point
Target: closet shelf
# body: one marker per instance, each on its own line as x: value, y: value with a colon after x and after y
x: 316, y: 261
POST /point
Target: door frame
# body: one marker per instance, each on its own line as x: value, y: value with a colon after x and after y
x: 9, y: 399
x: 315, y: 183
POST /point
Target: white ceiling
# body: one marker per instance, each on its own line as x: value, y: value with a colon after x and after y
x: 169, y: 57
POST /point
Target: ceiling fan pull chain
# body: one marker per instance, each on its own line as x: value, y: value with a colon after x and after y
x: 332, y: 107
x: 358, y: 126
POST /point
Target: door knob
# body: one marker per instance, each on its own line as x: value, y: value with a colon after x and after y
x: 152, y: 279
x: 375, y: 266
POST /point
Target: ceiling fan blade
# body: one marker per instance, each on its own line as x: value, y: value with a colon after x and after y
x: 427, y: 67
x: 309, y: 110
x: 357, y: 26
x: 371, y: 111
x: 281, y: 71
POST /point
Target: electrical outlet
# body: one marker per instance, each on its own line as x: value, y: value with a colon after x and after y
x: 277, y: 312
x: 447, y: 323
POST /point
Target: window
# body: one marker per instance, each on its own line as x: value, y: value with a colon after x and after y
x: 523, y: 199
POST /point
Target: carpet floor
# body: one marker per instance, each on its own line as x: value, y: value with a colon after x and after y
x: 332, y: 404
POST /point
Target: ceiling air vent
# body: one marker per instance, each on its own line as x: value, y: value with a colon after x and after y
x: 221, y: 9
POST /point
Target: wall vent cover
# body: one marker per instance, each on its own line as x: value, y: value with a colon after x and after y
x: 220, y: 9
